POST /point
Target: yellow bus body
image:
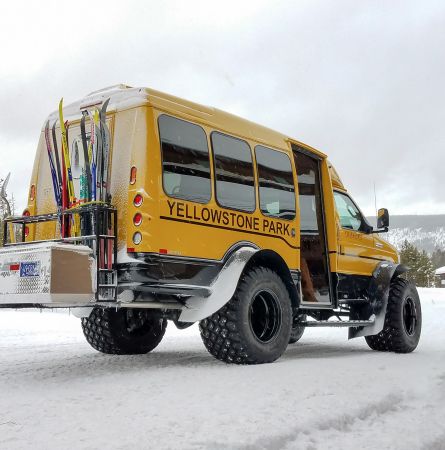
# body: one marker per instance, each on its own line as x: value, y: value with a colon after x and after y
x: 181, y: 228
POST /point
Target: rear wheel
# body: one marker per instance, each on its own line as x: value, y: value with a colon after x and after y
x: 403, y: 320
x: 123, y: 331
x: 254, y: 326
x: 297, y: 330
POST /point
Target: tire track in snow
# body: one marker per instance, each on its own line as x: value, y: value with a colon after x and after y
x: 411, y: 421
x: 343, y: 424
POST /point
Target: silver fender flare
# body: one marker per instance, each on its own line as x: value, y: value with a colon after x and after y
x: 222, y: 288
x: 378, y: 295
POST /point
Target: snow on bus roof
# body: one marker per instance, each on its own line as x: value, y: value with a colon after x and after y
x: 124, y: 97
x: 440, y: 270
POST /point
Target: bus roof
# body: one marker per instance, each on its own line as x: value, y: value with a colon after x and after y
x: 125, y: 97
x: 335, y: 178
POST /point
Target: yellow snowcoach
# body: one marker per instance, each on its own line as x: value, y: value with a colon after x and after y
x: 144, y: 207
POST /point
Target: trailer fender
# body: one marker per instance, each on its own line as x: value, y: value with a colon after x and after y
x: 81, y: 312
x: 378, y: 298
x: 222, y: 288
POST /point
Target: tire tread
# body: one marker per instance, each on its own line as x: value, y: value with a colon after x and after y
x: 220, y: 332
x: 391, y: 338
x: 100, y: 335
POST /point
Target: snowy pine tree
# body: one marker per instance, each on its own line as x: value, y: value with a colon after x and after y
x: 438, y: 258
x: 419, y: 263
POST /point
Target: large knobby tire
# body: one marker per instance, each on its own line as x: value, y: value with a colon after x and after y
x: 123, y: 331
x: 297, y: 330
x: 403, y: 320
x: 254, y: 326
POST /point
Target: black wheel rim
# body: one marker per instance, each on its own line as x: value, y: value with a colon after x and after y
x: 137, y: 322
x: 409, y: 316
x: 265, y: 316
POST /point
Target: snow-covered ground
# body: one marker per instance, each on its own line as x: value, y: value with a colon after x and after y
x: 325, y: 392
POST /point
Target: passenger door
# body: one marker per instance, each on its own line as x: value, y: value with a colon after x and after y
x: 357, y: 249
x: 315, y: 272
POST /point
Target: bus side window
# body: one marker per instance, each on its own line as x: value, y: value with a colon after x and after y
x: 276, y: 183
x: 185, y: 160
x: 235, y: 187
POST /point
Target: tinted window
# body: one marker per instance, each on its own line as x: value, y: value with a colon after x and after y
x: 309, y: 194
x: 277, y: 192
x: 235, y: 186
x: 185, y: 160
x: 350, y: 215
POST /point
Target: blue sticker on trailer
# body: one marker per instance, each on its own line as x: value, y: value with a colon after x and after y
x: 30, y: 269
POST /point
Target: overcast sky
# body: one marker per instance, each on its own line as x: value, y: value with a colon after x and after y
x: 363, y: 81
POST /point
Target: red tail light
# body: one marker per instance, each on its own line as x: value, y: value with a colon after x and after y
x: 138, y: 199
x: 26, y: 213
x: 137, y: 219
x: 133, y: 173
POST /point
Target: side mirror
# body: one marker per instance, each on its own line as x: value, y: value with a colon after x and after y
x: 383, y: 219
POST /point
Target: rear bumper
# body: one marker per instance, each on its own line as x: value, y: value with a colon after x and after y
x: 196, y: 287
x: 167, y: 275
x: 64, y: 275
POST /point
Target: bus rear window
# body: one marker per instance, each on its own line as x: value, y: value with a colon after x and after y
x: 185, y: 160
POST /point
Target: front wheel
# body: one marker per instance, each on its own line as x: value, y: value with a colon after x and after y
x: 403, y: 320
x: 125, y: 331
x: 254, y: 326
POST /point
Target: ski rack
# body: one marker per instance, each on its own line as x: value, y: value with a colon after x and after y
x: 103, y: 245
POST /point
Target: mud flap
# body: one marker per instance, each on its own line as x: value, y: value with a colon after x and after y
x: 222, y: 289
x: 378, y: 299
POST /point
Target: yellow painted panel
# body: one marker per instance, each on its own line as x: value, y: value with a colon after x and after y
x: 181, y: 227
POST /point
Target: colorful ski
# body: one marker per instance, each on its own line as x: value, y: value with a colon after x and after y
x: 99, y: 167
x: 105, y: 135
x: 92, y: 152
x: 105, y: 182
x: 66, y: 157
x: 65, y: 200
x: 86, y: 157
x: 102, y: 163
x: 56, y: 153
x: 67, y: 163
x: 52, y: 167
